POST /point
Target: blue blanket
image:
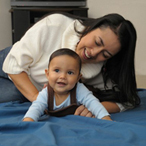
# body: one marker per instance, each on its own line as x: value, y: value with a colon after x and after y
x: 127, y: 129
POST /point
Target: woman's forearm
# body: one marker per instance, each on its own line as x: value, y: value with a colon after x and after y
x: 24, y: 85
x: 111, y: 107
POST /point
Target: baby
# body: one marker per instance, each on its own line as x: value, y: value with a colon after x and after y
x: 64, y: 91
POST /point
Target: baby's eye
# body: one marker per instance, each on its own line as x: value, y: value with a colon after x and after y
x: 56, y: 70
x: 70, y: 72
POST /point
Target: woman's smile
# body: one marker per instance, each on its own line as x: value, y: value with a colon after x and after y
x: 86, y: 54
x: 97, y: 46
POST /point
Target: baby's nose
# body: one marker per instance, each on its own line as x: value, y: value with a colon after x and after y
x: 63, y: 76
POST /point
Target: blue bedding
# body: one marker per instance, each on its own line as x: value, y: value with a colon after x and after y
x: 127, y: 129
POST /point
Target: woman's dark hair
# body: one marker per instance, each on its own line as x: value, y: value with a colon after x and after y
x: 120, y: 68
x: 66, y: 51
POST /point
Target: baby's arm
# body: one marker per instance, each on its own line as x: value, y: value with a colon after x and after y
x: 37, y: 108
x: 85, y: 97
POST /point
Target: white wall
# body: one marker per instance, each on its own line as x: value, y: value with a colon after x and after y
x: 134, y: 10
x: 5, y: 24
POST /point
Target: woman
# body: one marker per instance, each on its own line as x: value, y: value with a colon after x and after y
x: 105, y: 45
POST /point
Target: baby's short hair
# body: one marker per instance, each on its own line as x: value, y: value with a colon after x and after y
x: 66, y: 51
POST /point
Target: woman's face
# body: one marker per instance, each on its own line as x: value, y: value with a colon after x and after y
x: 98, y: 45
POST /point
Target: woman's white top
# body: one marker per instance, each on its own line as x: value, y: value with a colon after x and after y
x: 31, y: 54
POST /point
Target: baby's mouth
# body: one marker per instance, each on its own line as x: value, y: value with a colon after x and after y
x: 61, y: 83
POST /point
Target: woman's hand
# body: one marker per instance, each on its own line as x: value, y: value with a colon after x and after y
x: 83, y: 111
x: 45, y: 85
x: 111, y: 107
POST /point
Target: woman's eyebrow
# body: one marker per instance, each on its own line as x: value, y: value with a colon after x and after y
x: 103, y: 45
x: 108, y: 53
x: 101, y: 41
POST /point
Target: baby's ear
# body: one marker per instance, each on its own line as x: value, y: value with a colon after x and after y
x: 46, y: 72
x: 79, y: 77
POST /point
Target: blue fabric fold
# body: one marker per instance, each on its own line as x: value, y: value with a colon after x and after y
x: 128, y: 128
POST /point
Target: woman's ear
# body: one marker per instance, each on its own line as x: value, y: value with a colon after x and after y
x: 47, y: 73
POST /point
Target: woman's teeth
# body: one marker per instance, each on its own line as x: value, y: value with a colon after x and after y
x: 87, y: 54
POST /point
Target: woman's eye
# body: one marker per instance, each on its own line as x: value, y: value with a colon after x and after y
x: 56, y: 70
x: 70, y: 73
x: 105, y: 56
x: 97, y: 44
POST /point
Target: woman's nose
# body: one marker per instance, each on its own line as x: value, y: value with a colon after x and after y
x: 95, y: 51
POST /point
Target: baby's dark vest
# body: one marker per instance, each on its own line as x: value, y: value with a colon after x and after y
x: 69, y: 110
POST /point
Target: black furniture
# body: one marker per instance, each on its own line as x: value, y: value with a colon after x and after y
x: 24, y: 17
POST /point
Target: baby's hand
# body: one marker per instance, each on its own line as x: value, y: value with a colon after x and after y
x: 107, y: 118
x: 28, y: 119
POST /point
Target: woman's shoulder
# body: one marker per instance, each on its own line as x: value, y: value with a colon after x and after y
x: 58, y: 17
x: 55, y: 19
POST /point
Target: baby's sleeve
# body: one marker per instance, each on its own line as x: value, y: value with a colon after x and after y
x: 85, y: 97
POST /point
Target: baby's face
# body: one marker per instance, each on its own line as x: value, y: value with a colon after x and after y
x: 63, y: 74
